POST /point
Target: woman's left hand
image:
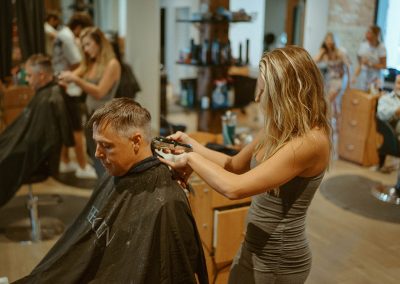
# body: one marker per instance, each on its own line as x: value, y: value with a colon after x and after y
x: 180, y: 166
x: 67, y: 77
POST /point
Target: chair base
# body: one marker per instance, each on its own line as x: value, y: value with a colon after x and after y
x: 386, y: 194
x: 21, y: 231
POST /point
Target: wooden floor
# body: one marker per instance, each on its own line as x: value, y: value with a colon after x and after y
x: 347, y: 248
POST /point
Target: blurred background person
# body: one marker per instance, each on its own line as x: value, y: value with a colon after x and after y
x: 98, y: 76
x: 334, y: 65
x: 67, y: 56
x: 371, y: 60
x: 31, y: 145
x: 50, y: 30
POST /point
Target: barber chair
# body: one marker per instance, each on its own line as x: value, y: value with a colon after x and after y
x: 35, y: 229
x: 390, y: 146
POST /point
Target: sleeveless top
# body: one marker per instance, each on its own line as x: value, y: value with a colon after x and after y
x: 275, y: 234
x: 92, y: 103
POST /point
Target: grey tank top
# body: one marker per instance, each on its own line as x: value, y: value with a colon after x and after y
x: 275, y: 234
x: 92, y: 103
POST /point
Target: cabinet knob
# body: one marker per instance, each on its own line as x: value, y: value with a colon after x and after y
x: 206, y: 190
x: 355, y: 101
x: 350, y: 147
x: 23, y: 96
x: 205, y: 225
x: 353, y: 122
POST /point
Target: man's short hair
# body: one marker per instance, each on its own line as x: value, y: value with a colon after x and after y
x: 80, y: 19
x: 125, y: 116
x: 40, y: 62
x: 52, y: 14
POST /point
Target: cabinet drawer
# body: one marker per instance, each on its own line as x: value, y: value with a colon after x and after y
x: 200, y: 202
x: 352, y: 148
x: 11, y: 114
x: 358, y: 101
x: 356, y: 124
x: 17, y: 97
x: 229, y: 231
x: 219, y: 200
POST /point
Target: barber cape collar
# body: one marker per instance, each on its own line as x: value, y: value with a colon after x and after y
x: 140, y: 167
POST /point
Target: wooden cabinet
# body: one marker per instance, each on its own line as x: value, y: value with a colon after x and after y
x: 13, y: 101
x: 220, y: 221
x: 357, y: 136
x: 221, y: 224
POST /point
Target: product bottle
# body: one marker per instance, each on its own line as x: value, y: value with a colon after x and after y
x: 215, y: 52
x: 205, y: 52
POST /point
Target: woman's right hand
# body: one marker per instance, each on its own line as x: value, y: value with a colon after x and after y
x: 181, y: 137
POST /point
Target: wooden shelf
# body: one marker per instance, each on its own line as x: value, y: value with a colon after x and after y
x: 209, y: 65
x: 212, y: 21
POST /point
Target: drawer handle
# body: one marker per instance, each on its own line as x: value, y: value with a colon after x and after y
x: 353, y: 122
x: 355, y: 101
x: 350, y: 147
x: 23, y: 96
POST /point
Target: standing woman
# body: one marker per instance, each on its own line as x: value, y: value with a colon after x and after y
x: 335, y: 65
x: 371, y: 60
x: 98, y: 76
x: 282, y: 168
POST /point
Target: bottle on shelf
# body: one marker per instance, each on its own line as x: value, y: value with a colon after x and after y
x: 240, y: 60
x: 215, y: 52
x: 247, y: 51
x: 205, y: 52
x: 220, y: 95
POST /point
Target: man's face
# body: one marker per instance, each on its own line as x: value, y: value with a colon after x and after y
x: 33, y: 77
x: 116, y: 152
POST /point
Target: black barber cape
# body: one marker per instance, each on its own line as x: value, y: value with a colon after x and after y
x: 135, y: 229
x: 32, y: 143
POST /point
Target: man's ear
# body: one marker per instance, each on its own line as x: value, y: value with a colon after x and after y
x: 136, y: 138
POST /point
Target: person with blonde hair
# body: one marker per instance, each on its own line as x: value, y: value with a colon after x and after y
x: 98, y: 76
x: 334, y: 64
x: 281, y: 169
x: 371, y: 60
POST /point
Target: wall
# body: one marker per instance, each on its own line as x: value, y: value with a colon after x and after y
x: 254, y: 31
x: 142, y: 51
x: 349, y: 20
x: 275, y: 15
x: 315, y: 24
x: 177, y: 37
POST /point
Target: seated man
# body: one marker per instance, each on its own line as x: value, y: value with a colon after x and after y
x: 137, y: 226
x: 31, y: 145
x: 389, y: 110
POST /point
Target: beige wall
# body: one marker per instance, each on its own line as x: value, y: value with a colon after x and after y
x: 349, y: 20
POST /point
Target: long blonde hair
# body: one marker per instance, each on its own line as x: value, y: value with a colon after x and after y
x: 106, y: 52
x: 292, y: 100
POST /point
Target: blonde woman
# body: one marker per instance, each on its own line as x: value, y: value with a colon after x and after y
x: 98, y: 76
x: 335, y: 64
x: 282, y: 168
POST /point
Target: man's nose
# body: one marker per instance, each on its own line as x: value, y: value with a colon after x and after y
x: 99, y: 153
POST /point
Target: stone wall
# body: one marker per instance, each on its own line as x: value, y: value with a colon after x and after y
x: 349, y: 20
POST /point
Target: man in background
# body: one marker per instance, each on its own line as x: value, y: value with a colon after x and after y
x: 389, y: 110
x: 31, y: 145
